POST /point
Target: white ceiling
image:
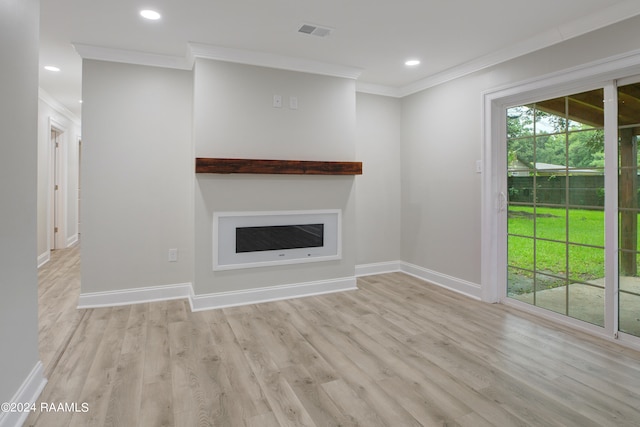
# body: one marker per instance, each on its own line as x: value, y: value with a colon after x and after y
x: 448, y: 36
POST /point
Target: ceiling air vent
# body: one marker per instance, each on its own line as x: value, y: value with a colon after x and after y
x: 314, y: 30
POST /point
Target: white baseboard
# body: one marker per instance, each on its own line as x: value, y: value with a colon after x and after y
x: 272, y: 293
x: 44, y: 258
x: 378, y: 268
x: 217, y: 300
x: 135, y: 296
x: 455, y: 284
x: 28, y: 392
x: 71, y: 240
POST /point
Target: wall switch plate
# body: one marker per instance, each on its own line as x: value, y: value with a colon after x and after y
x: 173, y: 255
x: 293, y: 102
x: 277, y: 101
x: 478, y: 166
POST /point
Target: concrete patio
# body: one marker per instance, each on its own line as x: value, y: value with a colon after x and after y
x: 586, y: 302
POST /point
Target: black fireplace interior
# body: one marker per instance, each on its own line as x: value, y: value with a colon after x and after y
x: 279, y: 237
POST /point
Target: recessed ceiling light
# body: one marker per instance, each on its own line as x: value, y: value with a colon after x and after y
x: 412, y: 63
x: 150, y: 14
x: 51, y: 68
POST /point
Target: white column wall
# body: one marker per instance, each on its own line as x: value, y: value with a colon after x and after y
x: 378, y: 189
x: 137, y: 176
x: 18, y: 247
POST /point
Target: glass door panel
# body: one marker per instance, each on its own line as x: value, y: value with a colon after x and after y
x: 628, y: 209
x: 555, y: 245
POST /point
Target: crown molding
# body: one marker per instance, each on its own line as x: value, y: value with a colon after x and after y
x: 569, y: 30
x: 200, y: 50
x: 132, y: 57
x: 611, y: 15
x: 265, y: 59
x: 375, y: 89
x: 519, y: 49
x: 57, y: 106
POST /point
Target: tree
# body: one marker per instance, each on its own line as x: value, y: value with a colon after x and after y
x: 586, y: 148
x: 535, y: 136
x: 520, y: 134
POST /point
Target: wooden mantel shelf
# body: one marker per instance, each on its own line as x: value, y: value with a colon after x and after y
x: 287, y: 167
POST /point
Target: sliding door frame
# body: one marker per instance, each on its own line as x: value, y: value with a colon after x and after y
x: 601, y: 74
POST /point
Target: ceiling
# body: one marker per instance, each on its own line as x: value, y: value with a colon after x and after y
x: 449, y: 37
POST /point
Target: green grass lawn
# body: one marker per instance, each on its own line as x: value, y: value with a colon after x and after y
x: 577, y: 226
x: 561, y: 261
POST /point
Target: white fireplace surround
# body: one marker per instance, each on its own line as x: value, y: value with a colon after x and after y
x: 225, y: 226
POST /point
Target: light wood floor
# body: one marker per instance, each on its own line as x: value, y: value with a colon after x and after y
x: 397, y: 352
x: 58, y: 292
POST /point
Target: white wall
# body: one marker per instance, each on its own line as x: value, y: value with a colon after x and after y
x: 50, y: 112
x: 440, y: 188
x: 378, y: 188
x: 137, y: 176
x: 234, y: 117
x: 234, y: 114
x: 441, y: 140
x: 18, y: 116
x: 138, y: 168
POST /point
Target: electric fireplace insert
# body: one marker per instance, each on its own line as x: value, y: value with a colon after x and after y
x: 260, y: 239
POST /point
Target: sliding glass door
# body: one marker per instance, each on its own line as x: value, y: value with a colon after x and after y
x: 555, y: 151
x: 557, y: 214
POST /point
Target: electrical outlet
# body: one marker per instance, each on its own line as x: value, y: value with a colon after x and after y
x: 173, y: 255
x: 293, y: 102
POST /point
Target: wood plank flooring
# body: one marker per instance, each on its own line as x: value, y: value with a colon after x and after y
x: 58, y: 292
x: 396, y: 352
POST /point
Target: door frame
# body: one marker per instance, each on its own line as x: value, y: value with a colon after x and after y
x: 57, y: 199
x: 495, y: 102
